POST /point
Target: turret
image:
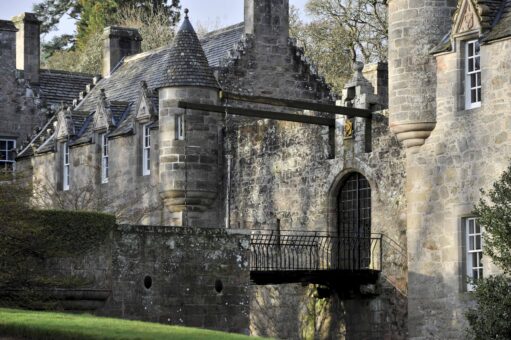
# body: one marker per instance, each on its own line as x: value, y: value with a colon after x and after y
x: 189, y: 139
x: 415, y: 26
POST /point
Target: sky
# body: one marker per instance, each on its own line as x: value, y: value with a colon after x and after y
x: 209, y: 13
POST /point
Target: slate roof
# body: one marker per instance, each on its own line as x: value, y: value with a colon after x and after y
x: 122, y: 87
x: 502, y: 27
x: 186, y: 63
x: 216, y: 44
x: 495, y: 17
x: 61, y: 86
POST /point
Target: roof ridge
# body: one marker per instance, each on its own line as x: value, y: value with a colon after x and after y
x: 222, y: 30
x: 82, y: 74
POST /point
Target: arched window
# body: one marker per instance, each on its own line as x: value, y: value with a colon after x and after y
x: 354, y: 221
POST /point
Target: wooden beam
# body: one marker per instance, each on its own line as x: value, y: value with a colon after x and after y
x: 298, y: 104
x: 240, y: 111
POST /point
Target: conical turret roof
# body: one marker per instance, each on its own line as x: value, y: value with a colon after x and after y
x: 187, y: 64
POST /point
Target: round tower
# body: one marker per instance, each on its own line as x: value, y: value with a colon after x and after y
x: 189, y: 140
x: 415, y: 26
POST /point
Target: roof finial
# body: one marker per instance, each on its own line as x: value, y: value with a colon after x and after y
x: 186, y: 13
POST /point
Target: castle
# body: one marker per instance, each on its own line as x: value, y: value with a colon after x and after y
x: 211, y: 137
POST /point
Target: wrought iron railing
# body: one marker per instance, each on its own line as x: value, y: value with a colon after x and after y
x: 313, y: 251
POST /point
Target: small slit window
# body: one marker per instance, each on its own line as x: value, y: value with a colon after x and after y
x: 472, y: 74
x: 104, y: 158
x: 180, y: 127
x: 65, y: 167
x: 146, y: 151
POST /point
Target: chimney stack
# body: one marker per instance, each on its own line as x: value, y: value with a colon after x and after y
x: 7, y: 47
x: 118, y: 42
x: 28, y: 45
x: 267, y: 20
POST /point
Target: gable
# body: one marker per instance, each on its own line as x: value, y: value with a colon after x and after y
x: 466, y: 19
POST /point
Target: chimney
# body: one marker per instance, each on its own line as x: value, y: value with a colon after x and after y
x: 28, y: 45
x: 7, y: 48
x: 267, y: 20
x: 118, y: 42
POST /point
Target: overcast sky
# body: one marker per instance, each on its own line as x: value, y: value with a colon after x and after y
x: 210, y: 13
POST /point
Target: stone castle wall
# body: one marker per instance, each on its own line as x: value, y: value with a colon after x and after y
x: 467, y: 151
x: 196, y: 277
x: 283, y: 174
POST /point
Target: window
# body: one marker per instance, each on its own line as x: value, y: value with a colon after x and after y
x: 180, y: 127
x: 472, y: 75
x: 7, y: 147
x: 474, y: 254
x: 65, y: 167
x: 104, y: 158
x: 146, y: 151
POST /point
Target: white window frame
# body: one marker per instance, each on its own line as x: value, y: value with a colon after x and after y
x: 474, y: 251
x: 180, y: 127
x: 146, y: 150
x: 6, y: 163
x: 104, y: 157
x: 65, y: 167
x: 472, y: 72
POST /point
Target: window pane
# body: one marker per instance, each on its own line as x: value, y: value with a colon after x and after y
x: 480, y: 274
x: 3, y: 145
x: 479, y: 94
x: 471, y: 223
x: 470, y: 65
x: 3, y: 155
x: 470, y: 49
x: 477, y: 64
x: 474, y: 274
x: 10, y: 145
x: 473, y: 80
x: 478, y: 242
x: 471, y: 243
x: 473, y: 96
x: 477, y: 48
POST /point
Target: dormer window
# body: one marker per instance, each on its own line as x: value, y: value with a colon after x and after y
x: 104, y: 157
x: 65, y: 167
x: 472, y: 75
x: 146, y: 151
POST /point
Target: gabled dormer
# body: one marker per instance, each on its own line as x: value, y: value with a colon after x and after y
x: 103, y: 117
x: 466, y: 20
x: 65, y: 126
x: 145, y: 109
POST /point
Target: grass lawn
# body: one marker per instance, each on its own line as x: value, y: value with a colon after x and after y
x: 56, y: 326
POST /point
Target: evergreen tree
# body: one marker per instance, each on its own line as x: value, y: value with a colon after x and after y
x: 490, y: 319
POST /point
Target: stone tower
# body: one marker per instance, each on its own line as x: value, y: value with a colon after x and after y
x: 190, y: 141
x: 415, y: 26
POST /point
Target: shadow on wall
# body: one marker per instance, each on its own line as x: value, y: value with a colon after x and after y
x: 295, y: 311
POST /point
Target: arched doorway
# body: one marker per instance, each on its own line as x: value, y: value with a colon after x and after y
x: 354, y: 222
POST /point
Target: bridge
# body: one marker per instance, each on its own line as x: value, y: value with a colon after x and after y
x: 278, y: 257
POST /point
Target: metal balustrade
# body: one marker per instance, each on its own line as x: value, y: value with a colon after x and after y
x: 313, y: 252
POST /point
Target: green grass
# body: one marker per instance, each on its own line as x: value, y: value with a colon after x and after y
x: 57, y: 326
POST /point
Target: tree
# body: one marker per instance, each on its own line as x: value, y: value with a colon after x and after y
x: 490, y: 319
x: 340, y: 32
x: 82, y: 52
x: 155, y: 27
